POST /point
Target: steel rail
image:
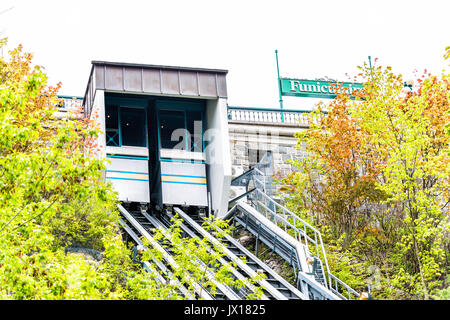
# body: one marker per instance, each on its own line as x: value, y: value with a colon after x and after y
x: 165, y: 271
x: 197, y: 288
x: 263, y: 283
x: 223, y: 288
x: 264, y: 266
x: 235, y: 272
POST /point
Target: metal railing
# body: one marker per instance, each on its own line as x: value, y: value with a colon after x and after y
x: 299, y: 229
x: 269, y: 115
x: 70, y: 103
x: 235, y: 113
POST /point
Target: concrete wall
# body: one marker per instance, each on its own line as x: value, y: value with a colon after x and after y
x: 249, y: 141
x: 98, y: 109
x: 217, y: 155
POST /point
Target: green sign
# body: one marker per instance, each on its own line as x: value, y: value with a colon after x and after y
x: 316, y: 88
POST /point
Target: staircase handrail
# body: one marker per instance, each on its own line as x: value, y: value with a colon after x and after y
x: 298, y: 247
x: 298, y: 233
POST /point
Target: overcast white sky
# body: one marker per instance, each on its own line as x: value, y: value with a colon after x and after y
x: 314, y: 38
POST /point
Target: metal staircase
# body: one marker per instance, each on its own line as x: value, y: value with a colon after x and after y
x: 292, y: 238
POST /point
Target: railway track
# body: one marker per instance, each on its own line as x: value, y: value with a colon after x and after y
x: 139, y: 224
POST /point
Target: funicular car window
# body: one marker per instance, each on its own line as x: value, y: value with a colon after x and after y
x: 125, y: 126
x: 169, y: 122
x: 195, y: 130
x: 132, y: 122
x: 181, y: 129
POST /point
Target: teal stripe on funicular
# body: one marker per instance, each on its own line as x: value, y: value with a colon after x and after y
x: 127, y: 179
x: 127, y: 157
x: 133, y: 172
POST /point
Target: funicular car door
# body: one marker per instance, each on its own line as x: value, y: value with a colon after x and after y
x: 181, y: 153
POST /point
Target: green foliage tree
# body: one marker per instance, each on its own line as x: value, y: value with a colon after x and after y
x: 59, y: 234
x: 407, y: 132
x: 378, y: 168
x: 52, y: 197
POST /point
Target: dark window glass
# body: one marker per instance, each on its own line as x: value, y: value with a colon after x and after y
x: 195, y: 130
x: 111, y: 117
x: 169, y: 121
x: 132, y: 125
x: 112, y: 125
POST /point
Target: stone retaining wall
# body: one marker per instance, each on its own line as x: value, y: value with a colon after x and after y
x: 250, y: 140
